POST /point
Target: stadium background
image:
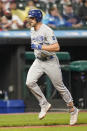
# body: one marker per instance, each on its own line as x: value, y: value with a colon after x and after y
x: 13, y: 65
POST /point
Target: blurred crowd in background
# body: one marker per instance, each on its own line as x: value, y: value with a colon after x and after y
x: 56, y: 13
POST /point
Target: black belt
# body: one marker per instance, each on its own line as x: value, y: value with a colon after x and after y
x: 45, y: 58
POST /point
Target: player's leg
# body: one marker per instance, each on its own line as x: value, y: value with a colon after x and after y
x: 52, y: 69
x: 34, y: 73
x: 54, y: 72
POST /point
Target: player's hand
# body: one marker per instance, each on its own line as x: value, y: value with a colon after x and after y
x: 34, y: 46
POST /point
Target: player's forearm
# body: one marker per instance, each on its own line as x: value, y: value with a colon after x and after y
x: 51, y: 48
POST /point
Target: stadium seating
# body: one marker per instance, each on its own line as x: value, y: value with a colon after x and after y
x: 21, y: 4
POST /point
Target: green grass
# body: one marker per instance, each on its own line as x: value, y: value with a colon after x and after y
x: 32, y: 119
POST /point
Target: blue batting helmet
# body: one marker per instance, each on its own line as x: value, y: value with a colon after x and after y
x: 36, y: 13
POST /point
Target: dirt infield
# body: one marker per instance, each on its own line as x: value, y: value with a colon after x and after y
x: 61, y: 112
x: 77, y: 125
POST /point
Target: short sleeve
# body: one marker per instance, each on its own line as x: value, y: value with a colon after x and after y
x: 50, y: 37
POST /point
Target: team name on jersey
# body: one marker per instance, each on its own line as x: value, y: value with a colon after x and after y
x: 38, y: 38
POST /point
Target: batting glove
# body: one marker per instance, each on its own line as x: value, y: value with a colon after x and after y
x: 34, y: 46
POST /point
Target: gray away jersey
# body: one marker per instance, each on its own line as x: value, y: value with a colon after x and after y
x: 43, y: 36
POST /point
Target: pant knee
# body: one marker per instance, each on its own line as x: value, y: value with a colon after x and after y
x: 30, y: 84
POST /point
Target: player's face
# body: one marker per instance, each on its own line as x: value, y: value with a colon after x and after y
x: 32, y: 21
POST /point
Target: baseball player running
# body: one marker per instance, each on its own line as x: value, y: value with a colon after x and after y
x: 45, y: 44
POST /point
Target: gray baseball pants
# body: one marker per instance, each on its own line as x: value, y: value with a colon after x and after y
x: 52, y: 69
